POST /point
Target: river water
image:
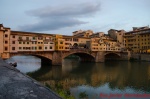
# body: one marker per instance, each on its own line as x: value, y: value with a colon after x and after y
x: 109, y: 80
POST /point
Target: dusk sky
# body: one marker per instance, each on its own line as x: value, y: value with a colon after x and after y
x: 66, y: 16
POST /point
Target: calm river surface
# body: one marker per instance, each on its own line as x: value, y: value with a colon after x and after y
x: 112, y: 79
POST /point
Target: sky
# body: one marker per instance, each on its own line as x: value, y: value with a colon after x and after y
x: 66, y: 16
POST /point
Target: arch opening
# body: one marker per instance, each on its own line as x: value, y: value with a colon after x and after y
x: 44, y: 60
x: 81, y: 57
x: 112, y: 56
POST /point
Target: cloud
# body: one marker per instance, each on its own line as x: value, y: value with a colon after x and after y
x: 52, y: 24
x: 53, y: 18
x: 71, y: 10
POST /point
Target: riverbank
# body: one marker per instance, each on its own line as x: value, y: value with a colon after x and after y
x: 16, y: 85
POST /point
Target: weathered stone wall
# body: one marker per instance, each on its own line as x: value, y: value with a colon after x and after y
x: 100, y: 57
x: 140, y: 57
x: 124, y: 56
x: 145, y: 57
x: 57, y: 58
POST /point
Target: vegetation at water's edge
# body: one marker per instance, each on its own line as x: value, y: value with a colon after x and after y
x: 66, y: 93
x: 63, y: 93
x: 83, y: 95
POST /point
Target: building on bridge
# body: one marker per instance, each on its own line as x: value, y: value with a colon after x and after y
x: 55, y: 47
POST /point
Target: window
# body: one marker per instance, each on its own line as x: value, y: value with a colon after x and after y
x: 20, y: 48
x: 61, y: 42
x: 20, y: 38
x: 23, y: 42
x: 13, y: 48
x: 27, y: 42
x: 6, y: 35
x: 45, y: 47
x: 45, y: 42
x: 13, y: 36
x: 50, y: 47
x: 6, y: 42
x: 33, y: 38
x: 13, y: 42
x: 19, y: 42
x: 27, y: 38
x: 6, y: 48
x: 40, y: 47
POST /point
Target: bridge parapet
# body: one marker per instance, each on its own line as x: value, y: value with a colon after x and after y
x: 80, y: 50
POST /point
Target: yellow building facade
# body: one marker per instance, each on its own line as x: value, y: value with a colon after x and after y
x: 138, y: 40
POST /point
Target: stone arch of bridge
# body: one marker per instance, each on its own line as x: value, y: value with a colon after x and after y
x: 112, y: 56
x: 45, y: 60
x: 84, y: 56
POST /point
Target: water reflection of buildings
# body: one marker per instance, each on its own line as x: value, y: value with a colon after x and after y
x: 121, y: 75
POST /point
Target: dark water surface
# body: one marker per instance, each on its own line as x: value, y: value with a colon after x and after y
x: 109, y: 80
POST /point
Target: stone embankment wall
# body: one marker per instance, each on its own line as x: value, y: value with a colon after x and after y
x: 140, y: 57
x: 16, y: 85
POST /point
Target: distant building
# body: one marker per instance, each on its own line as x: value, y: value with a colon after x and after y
x: 98, y: 34
x: 138, y: 40
x: 113, y: 33
x: 81, y: 33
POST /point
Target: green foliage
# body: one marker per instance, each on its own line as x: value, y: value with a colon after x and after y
x: 83, y: 95
x: 59, y: 89
x: 64, y: 94
x: 47, y: 85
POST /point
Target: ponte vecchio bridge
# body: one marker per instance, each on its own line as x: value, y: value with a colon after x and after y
x: 56, y: 57
x: 53, y: 48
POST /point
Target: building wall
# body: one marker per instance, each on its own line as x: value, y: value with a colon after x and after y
x: 112, y: 33
x: 6, y: 38
x: 102, y: 47
x: 120, y: 36
x: 81, y: 33
x: 33, y: 43
x: 83, y: 40
x: 1, y: 42
x: 137, y: 41
x: 61, y: 44
x: 13, y: 43
x: 99, y: 34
